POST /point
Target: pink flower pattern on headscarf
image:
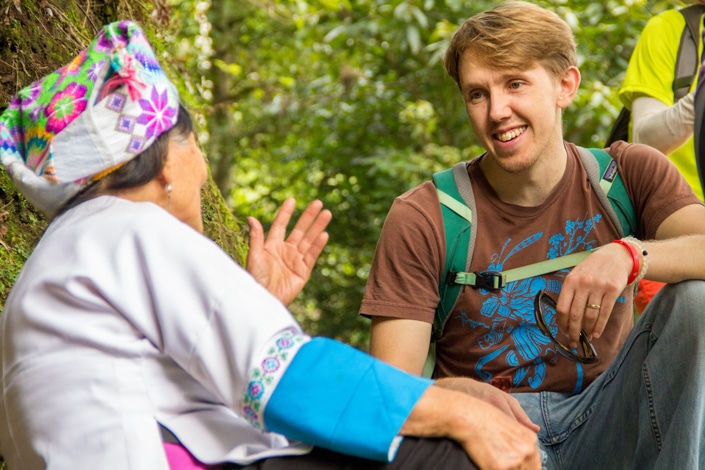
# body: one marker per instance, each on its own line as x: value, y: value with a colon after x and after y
x: 157, y: 115
x: 65, y: 106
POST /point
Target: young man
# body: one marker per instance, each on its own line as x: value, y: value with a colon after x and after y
x: 640, y: 405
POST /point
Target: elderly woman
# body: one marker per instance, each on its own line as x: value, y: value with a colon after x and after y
x: 131, y: 341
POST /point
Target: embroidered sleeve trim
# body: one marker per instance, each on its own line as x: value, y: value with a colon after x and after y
x: 264, y: 378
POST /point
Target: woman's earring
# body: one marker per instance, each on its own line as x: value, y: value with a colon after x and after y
x: 168, y: 196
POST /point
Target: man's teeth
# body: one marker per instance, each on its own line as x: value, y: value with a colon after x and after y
x: 506, y: 136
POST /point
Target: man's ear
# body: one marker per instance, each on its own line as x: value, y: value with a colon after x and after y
x: 568, y: 83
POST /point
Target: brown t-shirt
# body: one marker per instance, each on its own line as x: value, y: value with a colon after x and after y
x: 492, y: 335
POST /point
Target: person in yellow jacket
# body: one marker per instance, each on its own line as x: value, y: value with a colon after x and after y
x: 658, y: 118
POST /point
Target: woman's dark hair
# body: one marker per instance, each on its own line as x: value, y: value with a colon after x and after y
x: 140, y: 170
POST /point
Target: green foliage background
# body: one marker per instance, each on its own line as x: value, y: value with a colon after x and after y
x: 347, y: 101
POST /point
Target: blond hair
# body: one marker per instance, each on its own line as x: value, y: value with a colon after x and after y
x: 514, y: 35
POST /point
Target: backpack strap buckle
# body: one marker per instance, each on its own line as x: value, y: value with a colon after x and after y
x: 488, y: 280
x: 451, y: 277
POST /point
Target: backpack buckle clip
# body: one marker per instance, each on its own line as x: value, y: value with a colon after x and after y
x: 450, y: 278
x: 489, y: 280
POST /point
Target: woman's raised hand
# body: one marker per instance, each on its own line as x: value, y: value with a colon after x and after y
x: 283, y: 264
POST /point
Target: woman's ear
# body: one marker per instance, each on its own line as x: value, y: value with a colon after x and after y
x: 165, y: 176
x: 569, y: 83
x: 162, y: 178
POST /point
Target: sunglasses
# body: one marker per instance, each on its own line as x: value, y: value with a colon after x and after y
x: 543, y: 303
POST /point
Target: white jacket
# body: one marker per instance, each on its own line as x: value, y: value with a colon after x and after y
x: 156, y: 323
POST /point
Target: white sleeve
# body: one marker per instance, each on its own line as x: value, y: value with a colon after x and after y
x: 207, y: 312
x: 660, y: 126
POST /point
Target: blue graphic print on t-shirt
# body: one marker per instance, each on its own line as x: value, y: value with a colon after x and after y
x: 510, y: 311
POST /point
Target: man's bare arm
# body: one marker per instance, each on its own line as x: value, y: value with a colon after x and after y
x: 400, y: 342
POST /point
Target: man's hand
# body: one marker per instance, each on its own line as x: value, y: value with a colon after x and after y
x: 590, y: 291
x: 489, y: 394
x: 283, y: 266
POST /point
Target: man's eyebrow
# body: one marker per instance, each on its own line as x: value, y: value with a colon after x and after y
x: 509, y: 75
x: 503, y: 77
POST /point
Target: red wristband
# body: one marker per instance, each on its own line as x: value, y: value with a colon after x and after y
x: 636, y: 263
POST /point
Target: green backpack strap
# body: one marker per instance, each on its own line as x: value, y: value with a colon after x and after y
x: 609, y: 188
x: 458, y: 210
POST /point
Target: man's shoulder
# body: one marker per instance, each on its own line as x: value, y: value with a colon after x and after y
x: 422, y: 198
x: 640, y: 161
x: 621, y: 150
x: 417, y: 206
x: 422, y: 191
x: 671, y: 19
x: 427, y: 190
x: 630, y: 152
x: 664, y: 30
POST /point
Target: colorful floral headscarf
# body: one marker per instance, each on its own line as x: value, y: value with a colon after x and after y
x: 90, y: 116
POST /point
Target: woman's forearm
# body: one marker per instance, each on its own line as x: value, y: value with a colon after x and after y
x: 490, y: 437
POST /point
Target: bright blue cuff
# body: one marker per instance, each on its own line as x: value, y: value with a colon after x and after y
x: 339, y: 398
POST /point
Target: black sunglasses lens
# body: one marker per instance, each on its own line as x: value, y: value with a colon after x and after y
x: 545, y: 311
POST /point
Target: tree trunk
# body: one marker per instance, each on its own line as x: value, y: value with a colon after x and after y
x: 36, y: 38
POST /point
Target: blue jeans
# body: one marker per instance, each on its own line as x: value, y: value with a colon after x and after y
x: 647, y: 410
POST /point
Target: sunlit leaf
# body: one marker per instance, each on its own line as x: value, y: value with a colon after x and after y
x: 232, y: 69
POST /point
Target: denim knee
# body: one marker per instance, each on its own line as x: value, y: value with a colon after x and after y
x: 693, y: 289
x: 679, y: 307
